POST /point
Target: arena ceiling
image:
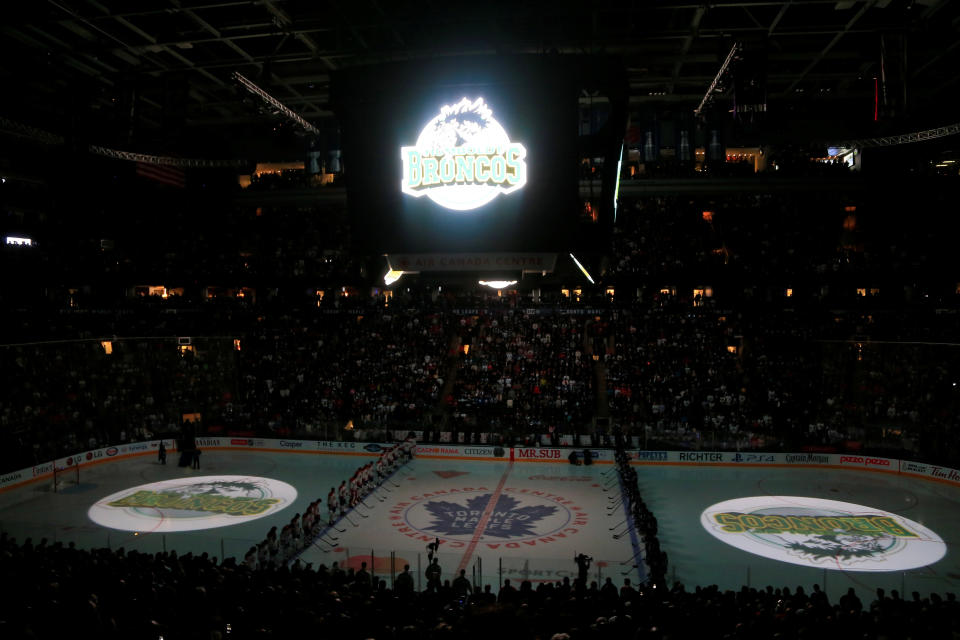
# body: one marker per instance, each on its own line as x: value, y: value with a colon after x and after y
x: 137, y: 65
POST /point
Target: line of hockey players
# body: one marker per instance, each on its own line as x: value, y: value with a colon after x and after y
x: 277, y: 549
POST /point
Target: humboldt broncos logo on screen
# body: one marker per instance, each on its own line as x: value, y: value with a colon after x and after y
x: 823, y: 533
x: 463, y: 158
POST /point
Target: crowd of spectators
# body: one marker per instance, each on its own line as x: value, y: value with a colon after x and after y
x: 378, y: 367
x: 718, y: 368
x: 65, y: 398
x: 54, y: 589
x: 668, y: 371
x: 824, y: 246
x: 672, y: 370
x: 523, y: 373
x: 669, y: 368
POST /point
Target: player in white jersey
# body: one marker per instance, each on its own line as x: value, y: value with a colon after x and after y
x: 332, y: 506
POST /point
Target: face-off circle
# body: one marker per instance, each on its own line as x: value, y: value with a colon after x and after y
x: 826, y: 534
x: 517, y: 515
x: 191, y: 504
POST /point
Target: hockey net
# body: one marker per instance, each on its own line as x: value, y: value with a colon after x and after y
x: 65, y: 477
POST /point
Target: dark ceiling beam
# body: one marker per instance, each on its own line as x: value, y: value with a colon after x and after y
x: 232, y: 45
x: 165, y: 11
x: 647, y: 60
x: 775, y: 76
x: 65, y: 47
x: 833, y: 41
x: 352, y: 28
x: 935, y: 59
x: 687, y: 43
x: 389, y: 23
x: 149, y: 38
x: 940, y: 55
x: 69, y: 60
x: 776, y: 20
x: 753, y: 19
x: 932, y: 9
x: 720, y: 4
x: 284, y: 20
x: 98, y: 74
x: 645, y: 7
x: 631, y: 40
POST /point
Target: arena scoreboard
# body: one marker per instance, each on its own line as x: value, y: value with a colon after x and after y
x: 460, y: 155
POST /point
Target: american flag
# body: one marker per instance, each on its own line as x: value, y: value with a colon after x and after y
x: 173, y: 176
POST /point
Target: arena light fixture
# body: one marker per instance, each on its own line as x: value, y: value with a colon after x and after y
x: 616, y: 189
x: 715, y: 86
x: 277, y: 108
x: 498, y: 284
x: 580, y: 266
x: 392, y: 276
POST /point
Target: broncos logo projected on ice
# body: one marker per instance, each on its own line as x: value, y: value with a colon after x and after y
x: 507, y: 520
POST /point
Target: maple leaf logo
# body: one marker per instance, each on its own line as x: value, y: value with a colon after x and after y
x: 507, y: 520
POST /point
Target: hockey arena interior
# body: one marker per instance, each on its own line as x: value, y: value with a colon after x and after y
x: 542, y: 321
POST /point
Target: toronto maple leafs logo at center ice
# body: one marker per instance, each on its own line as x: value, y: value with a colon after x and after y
x: 509, y: 518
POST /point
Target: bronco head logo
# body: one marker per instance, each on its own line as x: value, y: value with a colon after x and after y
x: 463, y: 158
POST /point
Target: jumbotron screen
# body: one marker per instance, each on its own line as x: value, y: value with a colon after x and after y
x: 460, y: 155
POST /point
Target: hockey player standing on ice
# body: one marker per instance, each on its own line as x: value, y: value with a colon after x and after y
x: 583, y: 567
x: 343, y: 496
x: 380, y: 470
x: 433, y: 574
x: 332, y: 505
x: 432, y: 549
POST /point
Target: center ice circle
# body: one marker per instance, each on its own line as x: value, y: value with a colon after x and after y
x: 514, y: 517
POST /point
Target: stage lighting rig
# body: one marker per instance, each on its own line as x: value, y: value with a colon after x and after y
x: 717, y: 85
x: 275, y: 107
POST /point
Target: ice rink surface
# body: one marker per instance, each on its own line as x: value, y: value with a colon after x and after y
x: 502, y: 520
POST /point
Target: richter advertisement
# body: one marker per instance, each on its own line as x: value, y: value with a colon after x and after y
x: 825, y: 534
